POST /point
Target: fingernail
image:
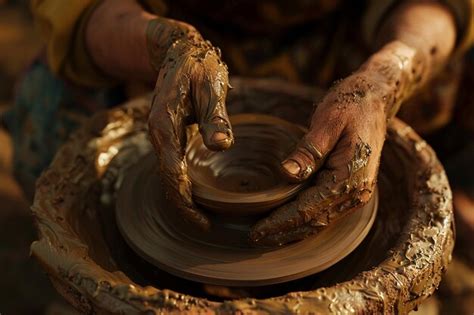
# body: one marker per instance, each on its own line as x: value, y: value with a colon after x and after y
x: 219, y: 137
x: 292, y: 167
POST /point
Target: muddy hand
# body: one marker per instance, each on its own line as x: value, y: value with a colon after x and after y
x: 344, y: 144
x: 191, y: 88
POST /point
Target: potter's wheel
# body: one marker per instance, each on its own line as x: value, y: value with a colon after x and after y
x: 398, y: 265
x: 222, y: 256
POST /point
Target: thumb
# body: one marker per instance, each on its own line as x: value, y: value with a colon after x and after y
x: 311, y: 151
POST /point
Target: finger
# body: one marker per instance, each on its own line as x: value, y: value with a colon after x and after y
x: 306, y: 216
x: 168, y: 136
x: 282, y: 238
x: 297, y: 217
x: 281, y: 220
x: 195, y: 217
x: 209, y: 96
x: 313, y: 148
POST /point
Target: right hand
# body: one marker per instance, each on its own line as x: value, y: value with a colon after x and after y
x: 191, y: 88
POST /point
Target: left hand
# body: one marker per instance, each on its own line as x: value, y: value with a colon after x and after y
x: 191, y: 88
x: 343, y: 144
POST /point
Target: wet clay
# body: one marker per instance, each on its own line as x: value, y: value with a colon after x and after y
x: 398, y: 266
x: 245, y: 179
x: 223, y: 255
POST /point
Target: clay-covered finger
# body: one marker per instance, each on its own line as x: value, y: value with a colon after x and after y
x: 285, y: 237
x: 209, y: 97
x: 281, y: 220
x: 167, y: 128
x: 311, y: 151
x: 306, y: 216
x: 297, y: 218
x: 195, y: 217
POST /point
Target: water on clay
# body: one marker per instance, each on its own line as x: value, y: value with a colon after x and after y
x: 386, y: 230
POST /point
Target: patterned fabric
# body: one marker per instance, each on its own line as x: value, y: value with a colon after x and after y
x: 46, y: 110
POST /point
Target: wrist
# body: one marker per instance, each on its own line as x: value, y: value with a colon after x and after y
x: 397, y: 71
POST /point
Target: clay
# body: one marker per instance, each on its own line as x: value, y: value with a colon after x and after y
x: 398, y: 266
x: 222, y: 255
x: 245, y: 179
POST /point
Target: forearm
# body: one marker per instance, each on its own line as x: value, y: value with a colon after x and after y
x: 416, y: 42
x: 116, y: 40
x: 128, y: 43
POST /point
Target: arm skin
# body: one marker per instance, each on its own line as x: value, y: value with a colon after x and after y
x: 116, y: 40
x: 348, y: 127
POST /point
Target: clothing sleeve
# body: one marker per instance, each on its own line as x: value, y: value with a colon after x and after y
x: 62, y: 24
x: 463, y: 11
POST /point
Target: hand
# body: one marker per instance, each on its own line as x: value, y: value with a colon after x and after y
x: 343, y: 144
x: 191, y: 88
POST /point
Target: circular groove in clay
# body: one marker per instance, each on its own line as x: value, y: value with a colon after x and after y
x: 245, y: 179
x: 221, y: 256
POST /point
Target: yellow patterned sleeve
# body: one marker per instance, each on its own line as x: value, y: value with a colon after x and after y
x: 463, y: 11
x: 62, y: 24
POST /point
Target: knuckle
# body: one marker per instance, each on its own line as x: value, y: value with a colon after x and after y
x: 189, y: 28
x: 300, y: 152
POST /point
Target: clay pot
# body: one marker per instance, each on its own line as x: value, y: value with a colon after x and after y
x: 399, y: 264
x: 245, y: 179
